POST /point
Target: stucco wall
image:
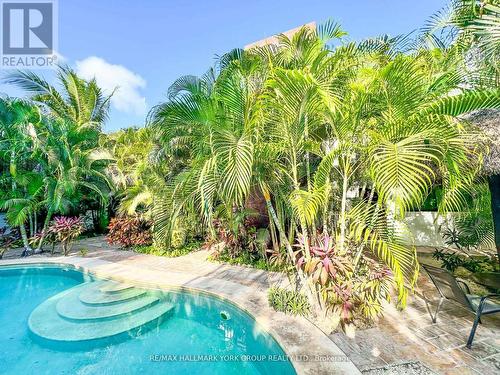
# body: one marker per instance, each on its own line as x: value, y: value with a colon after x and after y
x: 424, y: 228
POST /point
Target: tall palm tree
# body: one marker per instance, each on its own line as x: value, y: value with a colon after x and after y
x: 17, y: 121
x: 303, y: 121
x: 70, y: 168
x: 473, y: 28
x: 67, y: 143
x: 75, y: 100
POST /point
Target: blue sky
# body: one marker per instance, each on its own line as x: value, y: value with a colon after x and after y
x: 143, y: 46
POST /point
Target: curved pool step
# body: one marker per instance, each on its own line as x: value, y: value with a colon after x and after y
x: 70, y: 307
x: 112, y: 287
x: 93, y: 296
x: 64, y: 320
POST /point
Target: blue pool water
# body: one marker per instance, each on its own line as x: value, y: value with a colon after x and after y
x: 199, y: 334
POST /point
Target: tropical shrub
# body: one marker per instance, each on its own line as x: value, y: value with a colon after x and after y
x: 8, y: 239
x: 452, y: 260
x: 50, y: 239
x: 237, y: 235
x: 353, y: 286
x: 169, y: 252
x: 247, y: 259
x: 129, y: 231
x: 66, y: 230
x: 301, y: 124
x: 472, y: 229
x: 288, y: 301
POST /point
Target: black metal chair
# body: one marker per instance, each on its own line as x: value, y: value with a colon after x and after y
x: 452, y: 289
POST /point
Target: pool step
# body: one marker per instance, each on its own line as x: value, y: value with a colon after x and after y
x: 112, y: 287
x: 87, y: 313
x: 93, y: 296
x: 71, y: 307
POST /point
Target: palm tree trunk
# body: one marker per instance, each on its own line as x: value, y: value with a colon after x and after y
x: 343, y: 208
x: 494, y: 185
x: 12, y: 169
x: 24, y: 236
x: 44, y: 231
x: 31, y: 225
x: 315, y: 302
x: 272, y: 230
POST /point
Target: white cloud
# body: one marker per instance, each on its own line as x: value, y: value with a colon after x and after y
x: 127, y: 97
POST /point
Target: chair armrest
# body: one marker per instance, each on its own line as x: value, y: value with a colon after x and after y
x: 461, y: 282
x: 482, y: 301
x: 488, y: 296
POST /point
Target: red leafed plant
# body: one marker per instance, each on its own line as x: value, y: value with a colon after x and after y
x: 353, y: 290
x: 7, y: 239
x: 129, y: 231
x: 66, y: 230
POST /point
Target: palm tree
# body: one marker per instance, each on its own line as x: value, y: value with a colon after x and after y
x: 473, y: 28
x: 209, y: 123
x: 70, y: 168
x: 67, y: 143
x: 76, y: 100
x: 303, y: 122
x: 23, y: 202
x: 20, y: 186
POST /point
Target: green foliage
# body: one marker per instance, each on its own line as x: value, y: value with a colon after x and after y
x: 288, y: 301
x: 302, y: 124
x: 169, y: 252
x: 452, y: 260
x: 8, y: 240
x: 246, y: 259
x: 292, y: 129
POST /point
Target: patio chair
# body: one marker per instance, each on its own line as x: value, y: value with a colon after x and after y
x: 459, y: 292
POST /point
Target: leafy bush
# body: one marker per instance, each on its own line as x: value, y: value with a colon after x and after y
x: 288, y: 301
x: 237, y: 233
x: 351, y: 285
x: 8, y: 240
x: 246, y: 259
x: 50, y: 239
x: 66, y: 230
x: 129, y: 231
x: 452, y: 260
x: 170, y: 252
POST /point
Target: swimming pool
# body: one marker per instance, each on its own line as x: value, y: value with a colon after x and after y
x: 58, y: 320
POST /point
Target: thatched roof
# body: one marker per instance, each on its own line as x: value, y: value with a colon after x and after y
x: 488, y: 120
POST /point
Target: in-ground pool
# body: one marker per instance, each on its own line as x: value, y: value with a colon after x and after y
x: 57, y: 320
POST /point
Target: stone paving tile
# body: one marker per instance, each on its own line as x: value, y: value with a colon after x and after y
x: 461, y: 370
x: 410, y: 335
x: 409, y: 368
x: 446, y: 341
x: 480, y: 350
x: 493, y: 361
x: 431, y: 331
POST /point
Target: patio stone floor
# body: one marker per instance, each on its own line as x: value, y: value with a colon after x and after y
x: 406, y: 342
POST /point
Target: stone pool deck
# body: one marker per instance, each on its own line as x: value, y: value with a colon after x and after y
x: 406, y: 342
x: 311, y: 351
x: 401, y: 342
